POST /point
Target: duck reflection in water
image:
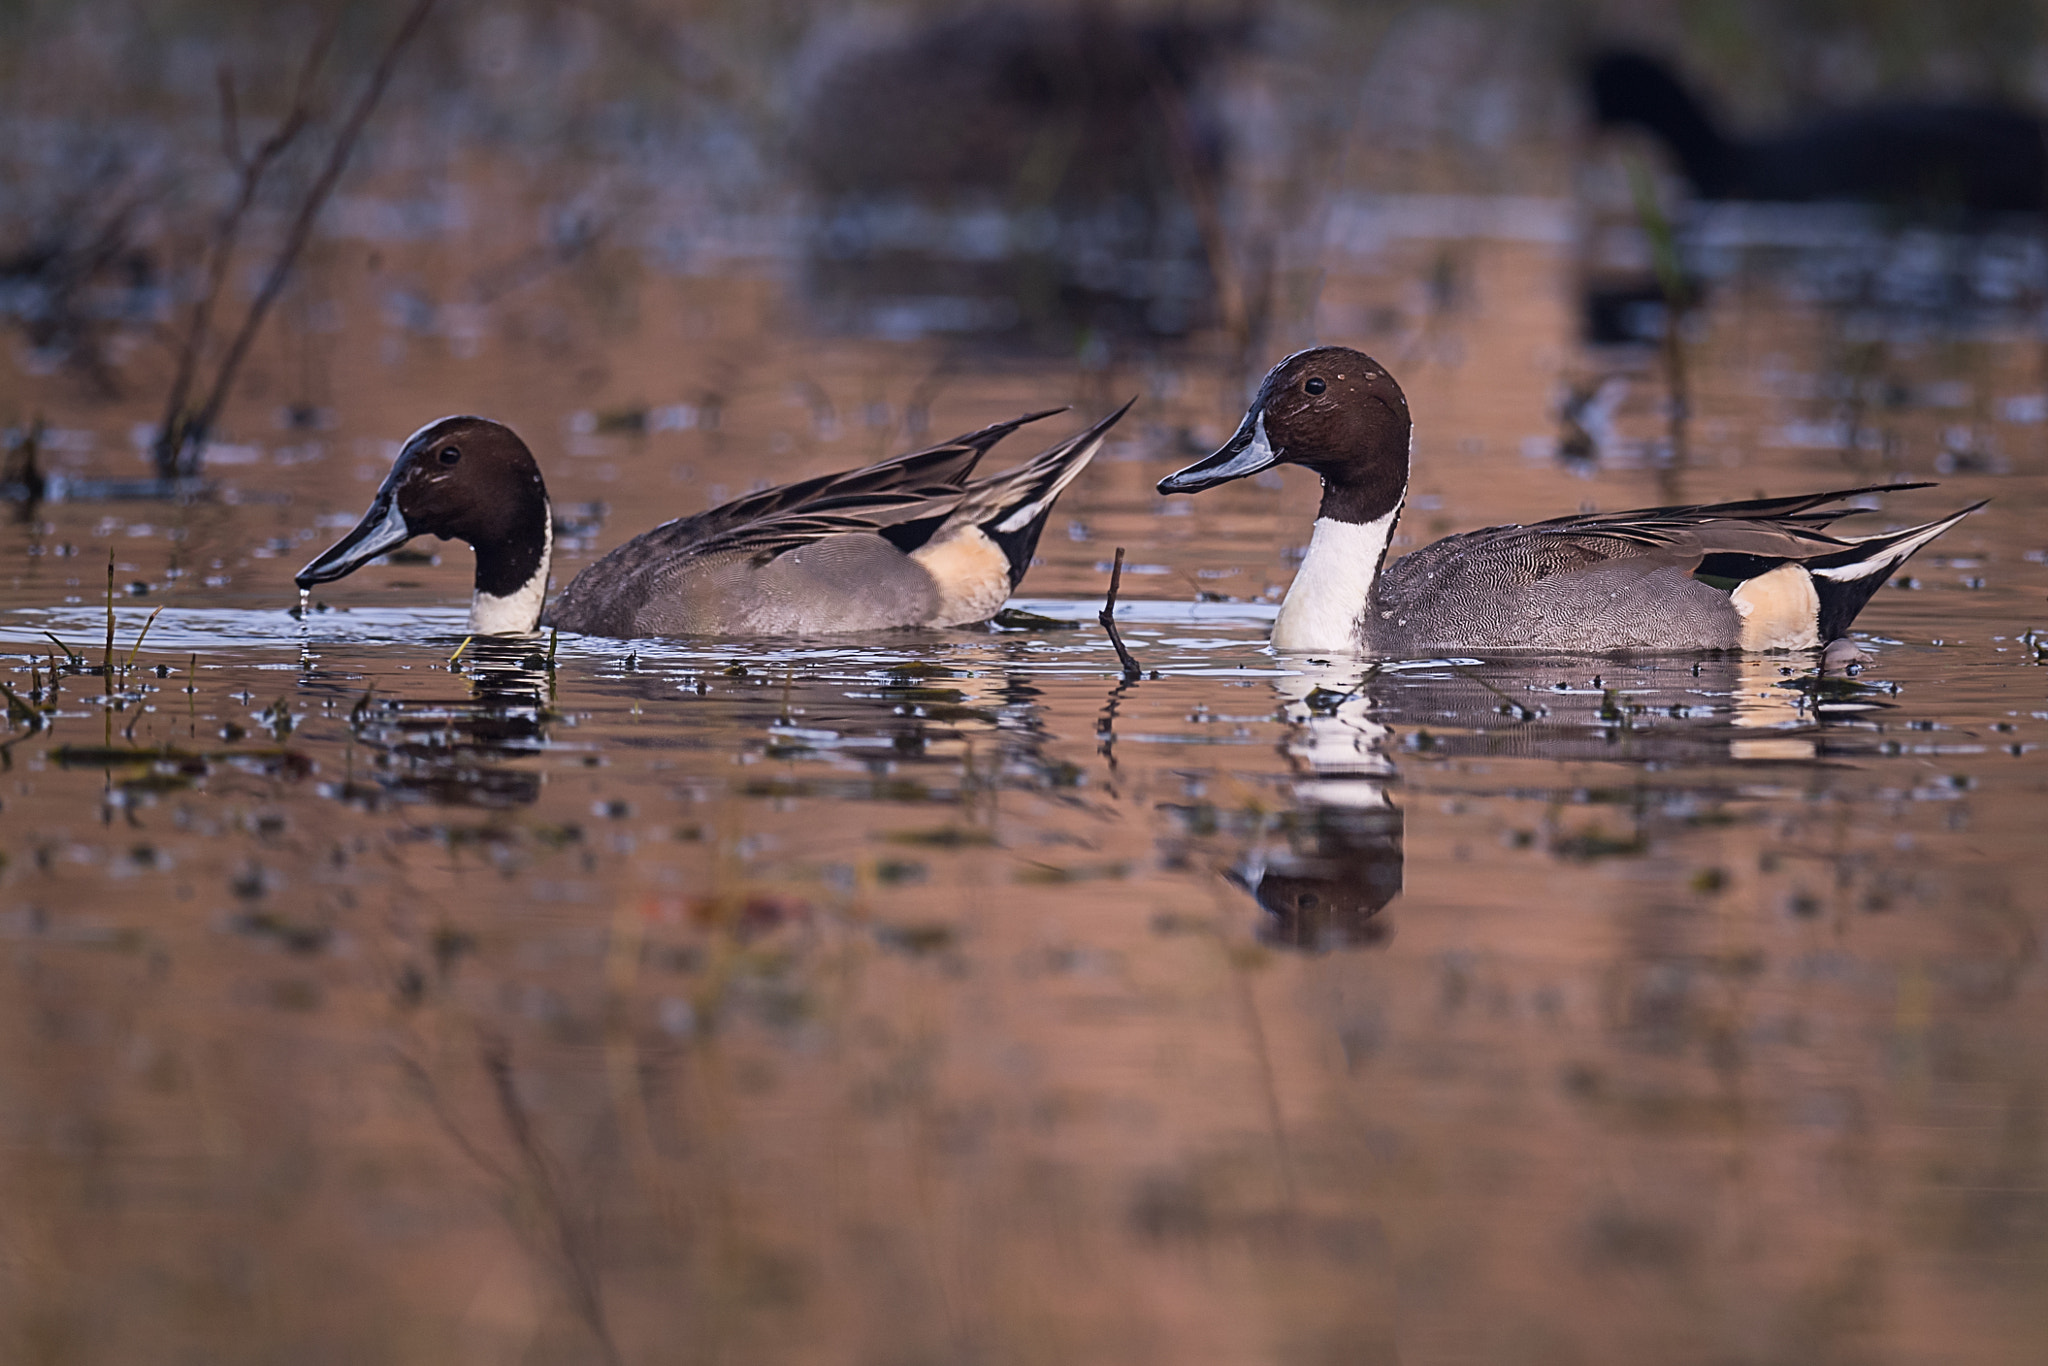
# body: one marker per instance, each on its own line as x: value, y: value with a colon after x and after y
x: 1326, y: 873
x: 1340, y: 864
x: 861, y: 727
x: 458, y: 751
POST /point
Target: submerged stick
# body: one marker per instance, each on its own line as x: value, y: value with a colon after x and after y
x: 1107, y: 616
x: 109, y: 662
x: 18, y: 710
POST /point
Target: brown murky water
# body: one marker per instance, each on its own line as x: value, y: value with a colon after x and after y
x: 940, y: 998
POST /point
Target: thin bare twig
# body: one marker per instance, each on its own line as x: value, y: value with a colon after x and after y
x: 183, y: 436
x: 431, y: 1093
x: 107, y: 669
x: 571, y: 1241
x: 1255, y: 1030
x: 76, y: 256
x: 1107, y: 616
x: 570, y: 1248
x: 230, y: 117
x: 180, y: 431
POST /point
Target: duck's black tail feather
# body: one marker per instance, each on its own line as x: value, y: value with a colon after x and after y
x: 949, y: 462
x: 978, y: 442
x: 1011, y: 508
x: 1846, y: 579
x: 1798, y: 507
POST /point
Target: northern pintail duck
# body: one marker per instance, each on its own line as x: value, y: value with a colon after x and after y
x: 911, y: 541
x: 1758, y: 575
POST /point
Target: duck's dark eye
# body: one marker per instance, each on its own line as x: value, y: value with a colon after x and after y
x: 450, y: 454
x: 1315, y: 385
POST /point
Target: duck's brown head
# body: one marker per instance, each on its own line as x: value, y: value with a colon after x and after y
x: 1331, y: 409
x: 460, y: 478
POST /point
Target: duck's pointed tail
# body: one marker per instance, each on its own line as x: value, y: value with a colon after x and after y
x: 1846, y: 579
x: 1011, y: 508
x: 949, y: 462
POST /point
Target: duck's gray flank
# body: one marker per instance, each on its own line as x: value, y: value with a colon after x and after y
x: 911, y: 541
x: 1758, y: 574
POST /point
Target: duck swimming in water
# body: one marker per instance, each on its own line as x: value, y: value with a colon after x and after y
x: 1764, y: 574
x: 911, y: 541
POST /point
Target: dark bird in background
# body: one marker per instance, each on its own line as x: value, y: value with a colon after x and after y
x: 1088, y: 134
x: 1926, y: 157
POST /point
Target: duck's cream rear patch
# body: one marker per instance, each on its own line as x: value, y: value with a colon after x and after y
x: 972, y: 573
x: 1779, y: 610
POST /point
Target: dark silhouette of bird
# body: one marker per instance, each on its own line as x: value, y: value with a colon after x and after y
x: 1918, y: 157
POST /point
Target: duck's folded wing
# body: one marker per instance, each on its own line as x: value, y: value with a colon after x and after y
x: 904, y: 516
x: 590, y: 602
x: 1688, y: 540
x: 948, y: 463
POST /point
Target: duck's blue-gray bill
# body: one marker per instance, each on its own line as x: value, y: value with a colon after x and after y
x: 1247, y: 452
x: 382, y: 528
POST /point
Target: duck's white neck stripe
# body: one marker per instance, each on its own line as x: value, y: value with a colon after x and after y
x: 1330, y: 593
x: 518, y: 612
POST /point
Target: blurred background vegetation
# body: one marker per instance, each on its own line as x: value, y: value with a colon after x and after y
x: 1090, y: 179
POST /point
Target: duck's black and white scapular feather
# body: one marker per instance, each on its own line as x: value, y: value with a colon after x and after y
x: 911, y: 541
x: 1760, y: 574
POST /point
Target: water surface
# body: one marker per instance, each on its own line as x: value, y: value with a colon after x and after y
x: 944, y: 997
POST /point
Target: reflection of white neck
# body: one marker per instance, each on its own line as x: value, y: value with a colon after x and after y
x: 518, y: 612
x: 1343, y: 749
x: 1329, y: 594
